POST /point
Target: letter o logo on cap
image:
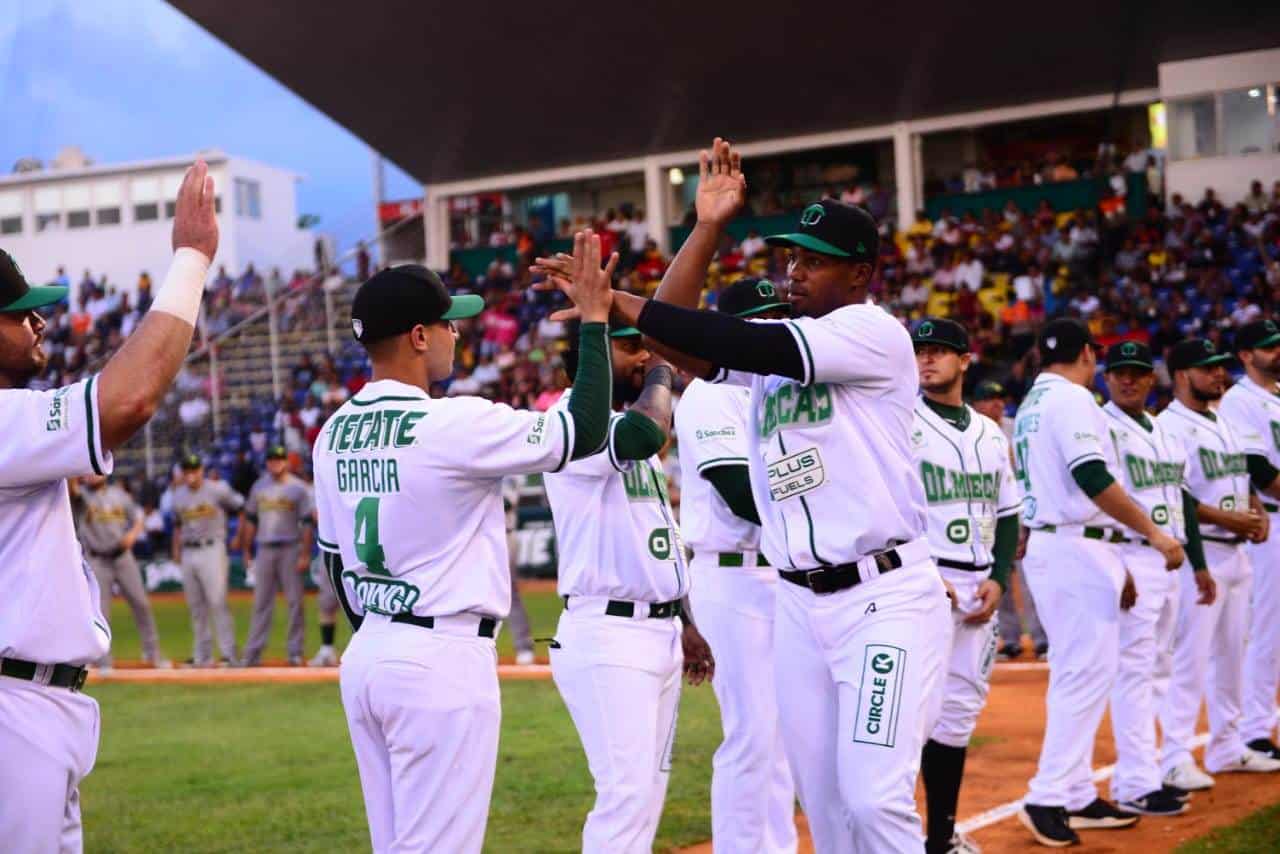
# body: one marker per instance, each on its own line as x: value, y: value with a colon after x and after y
x: 926, y: 328
x: 812, y: 215
x: 1129, y: 349
x: 765, y: 289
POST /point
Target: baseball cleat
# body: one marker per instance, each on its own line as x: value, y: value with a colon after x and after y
x: 1008, y: 652
x: 1048, y: 825
x: 1188, y: 777
x: 1176, y: 792
x: 1100, y: 815
x: 326, y: 657
x: 962, y: 844
x: 524, y: 657
x: 1265, y: 746
x: 296, y: 661
x: 1042, y: 652
x: 1158, y: 802
x: 1250, y: 762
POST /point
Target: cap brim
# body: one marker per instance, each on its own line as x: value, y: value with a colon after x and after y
x: 1130, y: 363
x: 35, y: 298
x: 463, y: 306
x: 950, y: 345
x: 806, y: 241
x: 763, y: 308
x: 625, y: 332
x: 1220, y: 359
x: 1269, y: 341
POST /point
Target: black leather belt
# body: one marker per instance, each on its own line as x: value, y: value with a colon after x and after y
x: 111, y: 555
x: 488, y: 626
x: 1271, y: 508
x: 58, y: 675
x: 737, y: 559
x: 1226, y: 541
x: 1091, y: 532
x: 830, y: 579
x: 278, y: 545
x: 961, y: 565
x: 198, y: 544
x: 657, y: 610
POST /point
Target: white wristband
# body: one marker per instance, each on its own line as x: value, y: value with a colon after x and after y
x: 183, y: 285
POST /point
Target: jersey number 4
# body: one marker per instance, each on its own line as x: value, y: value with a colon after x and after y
x: 368, y: 547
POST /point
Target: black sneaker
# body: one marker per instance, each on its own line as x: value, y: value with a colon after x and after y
x: 1100, y: 815
x: 1008, y: 651
x: 1048, y: 825
x: 1176, y: 792
x: 1042, y: 652
x: 1158, y: 802
x: 1264, y: 746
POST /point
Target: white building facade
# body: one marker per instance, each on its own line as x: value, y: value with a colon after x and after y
x: 116, y: 219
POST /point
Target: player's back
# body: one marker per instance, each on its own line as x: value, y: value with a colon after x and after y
x: 409, y: 492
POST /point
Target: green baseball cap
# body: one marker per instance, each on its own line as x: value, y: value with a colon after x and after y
x: 943, y: 332
x: 1129, y: 354
x: 832, y: 227
x: 277, y: 452
x: 1260, y: 333
x: 1195, y: 353
x: 16, y: 295
x: 750, y: 296
x: 989, y: 390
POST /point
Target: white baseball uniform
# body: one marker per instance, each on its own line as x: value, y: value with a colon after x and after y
x: 859, y: 671
x: 733, y: 595
x: 616, y: 665
x: 1075, y: 579
x: 49, y: 614
x: 968, y: 486
x: 409, y: 495
x: 1150, y: 467
x: 1209, y: 641
x: 1254, y: 412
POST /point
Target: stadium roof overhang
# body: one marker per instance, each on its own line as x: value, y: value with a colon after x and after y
x: 457, y: 91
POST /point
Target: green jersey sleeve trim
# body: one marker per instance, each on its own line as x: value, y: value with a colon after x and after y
x: 91, y: 423
x: 809, y: 367
x: 1092, y: 477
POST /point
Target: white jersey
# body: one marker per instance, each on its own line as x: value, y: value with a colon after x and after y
x: 1151, y: 467
x: 408, y: 490
x: 711, y: 428
x: 49, y: 610
x: 1058, y: 427
x: 832, y: 468
x: 1217, y: 471
x: 616, y: 536
x: 1254, y: 413
x: 968, y: 483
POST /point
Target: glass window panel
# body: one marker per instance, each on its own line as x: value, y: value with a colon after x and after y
x: 10, y: 204
x: 48, y: 199
x: 106, y: 194
x: 1193, y: 128
x: 75, y: 196
x: 1245, y: 121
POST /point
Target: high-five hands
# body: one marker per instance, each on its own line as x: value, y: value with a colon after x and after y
x: 580, y: 276
x: 722, y: 188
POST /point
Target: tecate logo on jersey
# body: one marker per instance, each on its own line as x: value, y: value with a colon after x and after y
x: 879, y: 695
x: 796, y: 474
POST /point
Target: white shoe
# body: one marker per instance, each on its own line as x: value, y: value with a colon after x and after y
x: 525, y: 657
x: 160, y: 663
x: 1188, y: 776
x: 1251, y: 762
x: 326, y: 657
x: 962, y: 844
x: 105, y: 669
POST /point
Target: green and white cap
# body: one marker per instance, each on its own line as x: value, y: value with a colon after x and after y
x: 16, y: 295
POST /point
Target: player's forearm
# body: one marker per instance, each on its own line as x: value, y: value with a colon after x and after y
x: 733, y: 485
x: 592, y: 398
x: 137, y: 377
x: 1117, y: 504
x: 1264, y: 476
x: 655, y: 398
x: 1195, y: 544
x: 685, y: 278
x: 1008, y: 530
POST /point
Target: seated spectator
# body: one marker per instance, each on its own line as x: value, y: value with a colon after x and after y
x: 970, y: 271
x: 1256, y: 201
x: 914, y: 294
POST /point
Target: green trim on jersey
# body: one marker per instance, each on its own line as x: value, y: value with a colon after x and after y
x: 564, y: 427
x: 808, y: 354
x: 91, y: 423
x: 326, y: 545
x: 716, y: 461
x: 355, y: 402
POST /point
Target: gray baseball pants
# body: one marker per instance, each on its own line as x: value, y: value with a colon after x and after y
x: 518, y: 618
x: 124, y: 571
x: 204, y: 580
x: 276, y: 568
x: 1010, y: 623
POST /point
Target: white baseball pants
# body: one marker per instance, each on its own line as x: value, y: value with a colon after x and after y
x: 620, y: 680
x: 753, y: 798
x: 1146, y: 653
x: 859, y: 676
x: 1076, y: 583
x: 1208, y: 663
x: 968, y: 677
x: 1262, y: 656
x: 48, y: 744
x: 423, y: 709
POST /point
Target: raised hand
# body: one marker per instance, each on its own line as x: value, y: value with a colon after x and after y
x: 581, y: 277
x: 722, y: 189
x: 195, y: 222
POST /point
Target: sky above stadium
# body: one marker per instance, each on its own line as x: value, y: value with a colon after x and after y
x: 136, y: 79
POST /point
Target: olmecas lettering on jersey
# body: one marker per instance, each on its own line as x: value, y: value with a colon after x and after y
x: 796, y: 474
x: 1218, y: 464
x: 794, y: 404
x: 1152, y: 473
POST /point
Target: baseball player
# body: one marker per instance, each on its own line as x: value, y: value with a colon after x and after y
x: 1209, y: 642
x: 518, y: 618
x: 1151, y: 467
x: 51, y: 620
x: 1071, y: 502
x: 862, y: 625
x: 973, y: 531
x: 409, y: 494
x: 1253, y: 407
x: 619, y: 651
x: 280, y: 512
x: 200, y: 508
x: 109, y: 522
x: 989, y: 399
x: 733, y: 592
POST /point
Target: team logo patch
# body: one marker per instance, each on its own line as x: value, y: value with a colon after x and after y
x: 537, y: 431
x: 357, y: 326
x: 660, y: 543
x: 1128, y: 349
x: 812, y: 215
x: 959, y: 531
x: 1029, y: 508
x: 925, y: 329
x: 796, y: 474
x: 880, y: 695
x: 766, y: 289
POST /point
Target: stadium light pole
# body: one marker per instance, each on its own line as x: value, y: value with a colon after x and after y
x: 379, y: 191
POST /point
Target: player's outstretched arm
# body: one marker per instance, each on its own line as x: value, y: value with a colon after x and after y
x: 137, y: 377
x: 590, y: 286
x: 1117, y: 504
x: 643, y: 431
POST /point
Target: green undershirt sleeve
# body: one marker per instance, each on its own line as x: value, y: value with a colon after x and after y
x: 589, y: 405
x: 734, y: 485
x: 1092, y: 477
x: 1003, y: 549
x: 1261, y: 472
x: 637, y: 437
x: 1195, y: 545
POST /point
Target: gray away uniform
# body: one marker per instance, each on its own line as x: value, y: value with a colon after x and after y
x: 202, y: 514
x: 279, y: 509
x: 103, y: 517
